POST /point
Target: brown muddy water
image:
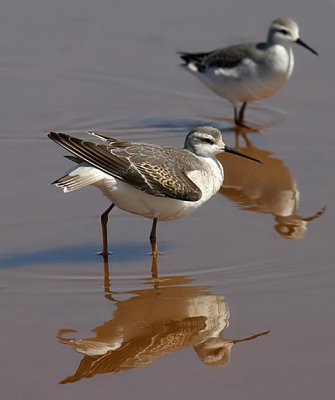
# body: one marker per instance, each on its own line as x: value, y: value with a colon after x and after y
x: 258, y: 257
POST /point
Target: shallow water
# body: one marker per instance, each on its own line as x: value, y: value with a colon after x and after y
x: 258, y: 257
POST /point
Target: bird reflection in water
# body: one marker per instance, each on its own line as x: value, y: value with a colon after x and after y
x: 269, y: 190
x: 167, y: 317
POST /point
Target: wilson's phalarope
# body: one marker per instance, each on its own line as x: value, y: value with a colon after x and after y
x: 251, y: 71
x: 160, y: 183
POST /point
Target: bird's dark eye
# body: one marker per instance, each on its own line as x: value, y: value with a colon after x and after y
x: 283, y: 31
x: 208, y: 140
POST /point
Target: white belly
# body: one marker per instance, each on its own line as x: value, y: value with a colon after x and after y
x: 250, y: 81
x: 134, y: 201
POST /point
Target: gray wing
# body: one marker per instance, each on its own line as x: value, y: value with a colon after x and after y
x: 149, y: 168
x: 228, y: 57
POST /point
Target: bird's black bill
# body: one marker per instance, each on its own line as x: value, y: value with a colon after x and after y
x: 237, y: 153
x: 303, y: 44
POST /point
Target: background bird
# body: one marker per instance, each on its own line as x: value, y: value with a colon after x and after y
x: 251, y: 71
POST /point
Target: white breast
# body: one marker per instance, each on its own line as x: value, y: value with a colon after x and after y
x: 209, y: 179
x: 252, y: 79
x: 280, y: 60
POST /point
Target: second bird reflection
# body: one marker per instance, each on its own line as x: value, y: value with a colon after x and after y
x: 269, y: 190
x: 154, y: 322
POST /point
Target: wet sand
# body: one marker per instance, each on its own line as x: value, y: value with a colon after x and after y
x: 258, y: 257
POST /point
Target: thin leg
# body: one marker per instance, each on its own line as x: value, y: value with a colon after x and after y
x: 154, y: 249
x: 236, y: 117
x: 153, y: 241
x: 239, y: 119
x: 241, y: 114
x: 104, y: 220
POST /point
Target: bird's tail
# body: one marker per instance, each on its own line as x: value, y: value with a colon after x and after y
x: 79, y: 177
x: 192, y: 57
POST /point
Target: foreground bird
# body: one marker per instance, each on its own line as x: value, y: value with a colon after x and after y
x: 160, y: 183
x: 251, y: 71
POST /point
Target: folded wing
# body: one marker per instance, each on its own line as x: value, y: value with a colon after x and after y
x: 148, y: 168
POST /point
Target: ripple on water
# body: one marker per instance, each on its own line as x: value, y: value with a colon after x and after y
x: 124, y: 271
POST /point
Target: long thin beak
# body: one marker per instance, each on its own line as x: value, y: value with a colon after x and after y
x: 237, y: 153
x: 303, y: 44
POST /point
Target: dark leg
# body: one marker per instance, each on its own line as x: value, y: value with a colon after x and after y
x: 239, y: 119
x: 236, y: 117
x: 154, y: 249
x: 153, y: 241
x: 241, y: 114
x: 104, y: 220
